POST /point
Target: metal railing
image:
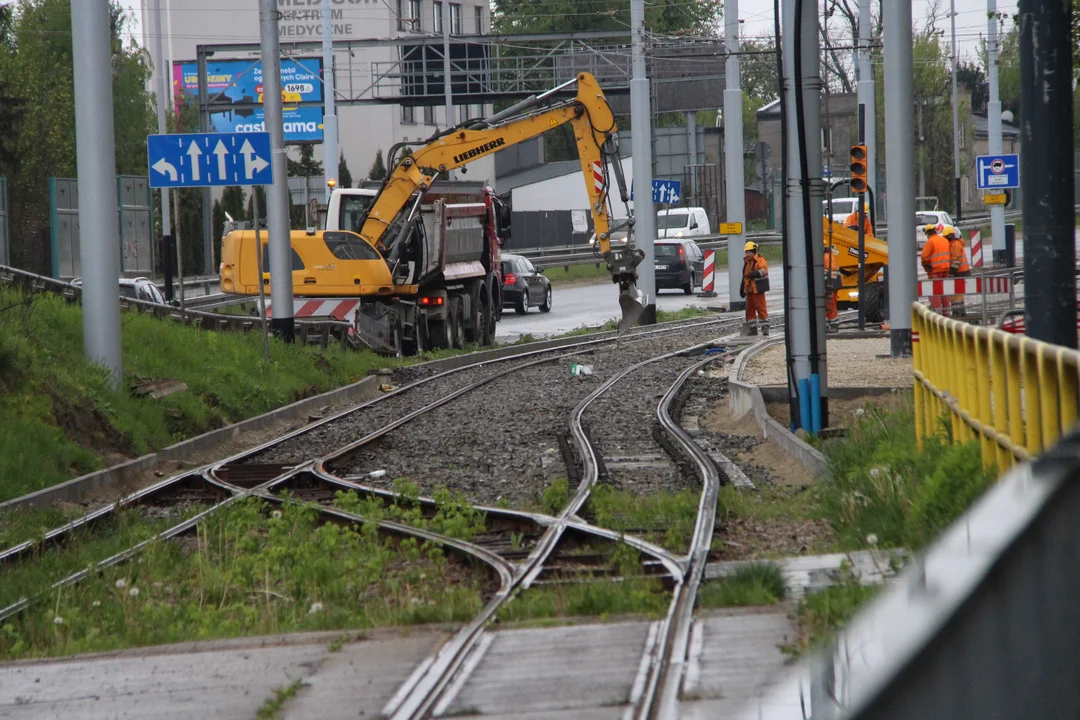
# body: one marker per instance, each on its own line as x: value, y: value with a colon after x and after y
x: 1012, y: 394
x: 584, y: 254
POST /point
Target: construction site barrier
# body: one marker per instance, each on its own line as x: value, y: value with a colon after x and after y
x: 1014, y: 395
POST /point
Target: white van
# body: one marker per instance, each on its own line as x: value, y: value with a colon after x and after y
x: 841, y: 208
x: 682, y: 222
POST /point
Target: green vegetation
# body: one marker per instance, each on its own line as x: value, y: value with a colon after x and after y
x: 686, y: 313
x: 773, y: 521
x: 823, y: 613
x: 665, y: 518
x: 272, y: 707
x: 881, y: 488
x: 61, y: 419
x: 251, y: 569
x: 454, y: 516
x: 562, y: 274
x: 753, y: 584
x: 556, y: 496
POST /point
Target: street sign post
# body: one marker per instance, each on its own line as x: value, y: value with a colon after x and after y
x: 664, y: 192
x: 997, y: 172
x: 209, y: 159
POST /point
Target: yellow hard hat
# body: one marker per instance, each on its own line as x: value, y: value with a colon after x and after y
x: 750, y: 245
x: 949, y: 231
x: 929, y: 229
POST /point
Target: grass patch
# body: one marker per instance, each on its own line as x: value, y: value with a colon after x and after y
x: 686, y: 313
x: 772, y: 521
x: 754, y: 584
x: 880, y: 488
x: 555, y: 496
x: 61, y: 419
x: 664, y: 518
x: 562, y: 274
x: 272, y: 707
x: 822, y: 614
x: 250, y: 570
x: 454, y: 516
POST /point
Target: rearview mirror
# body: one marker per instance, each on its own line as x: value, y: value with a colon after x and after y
x: 693, y: 225
x: 539, y: 270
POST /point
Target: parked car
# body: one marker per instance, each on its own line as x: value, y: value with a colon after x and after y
x: 679, y: 264
x: 929, y: 217
x: 682, y: 222
x: 524, y: 285
x: 139, y: 288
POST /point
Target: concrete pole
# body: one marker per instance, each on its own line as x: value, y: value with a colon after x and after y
x: 955, y: 118
x: 806, y: 256
x: 164, y: 100
x: 330, y: 130
x: 641, y: 164
x: 900, y: 168
x: 448, y: 88
x: 96, y: 160
x: 277, y: 196
x: 867, y: 92
x: 993, y: 117
x: 733, y: 153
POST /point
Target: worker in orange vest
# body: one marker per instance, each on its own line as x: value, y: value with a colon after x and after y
x: 958, y: 263
x: 852, y: 221
x: 935, y: 261
x: 754, y: 286
x: 832, y: 283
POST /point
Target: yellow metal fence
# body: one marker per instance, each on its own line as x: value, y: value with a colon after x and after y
x: 1014, y: 395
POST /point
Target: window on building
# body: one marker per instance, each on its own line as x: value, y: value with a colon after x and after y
x: 429, y: 114
x: 479, y: 19
x: 408, y: 115
x: 436, y: 15
x: 455, y: 18
x: 408, y: 12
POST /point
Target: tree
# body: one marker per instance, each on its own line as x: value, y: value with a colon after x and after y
x: 344, y: 176
x: 378, y: 167
x: 307, y: 166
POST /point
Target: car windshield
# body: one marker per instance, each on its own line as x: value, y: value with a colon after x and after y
x: 672, y: 222
x: 353, y: 208
x: 668, y: 250
x: 508, y: 267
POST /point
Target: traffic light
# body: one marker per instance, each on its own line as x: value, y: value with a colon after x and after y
x: 858, y: 169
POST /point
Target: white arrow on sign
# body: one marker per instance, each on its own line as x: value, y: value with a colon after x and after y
x: 166, y: 168
x: 221, y: 152
x: 194, y: 152
x: 252, y: 162
x: 673, y: 197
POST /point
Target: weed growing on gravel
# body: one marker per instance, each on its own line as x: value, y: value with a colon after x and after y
x: 667, y: 518
x: 248, y: 571
x: 555, y: 496
x: 880, y: 483
x: 272, y: 707
x: 821, y: 614
x: 754, y: 584
x: 454, y: 516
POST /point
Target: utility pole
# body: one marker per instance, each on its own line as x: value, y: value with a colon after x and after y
x: 733, y: 152
x: 168, y: 250
x: 900, y: 170
x: 96, y: 161
x: 993, y: 117
x: 867, y: 93
x: 448, y: 91
x: 1046, y: 165
x: 277, y: 197
x: 805, y: 191
x: 330, y: 133
x: 641, y: 165
x: 955, y: 118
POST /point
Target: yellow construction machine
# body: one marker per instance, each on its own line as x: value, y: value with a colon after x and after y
x: 843, y: 242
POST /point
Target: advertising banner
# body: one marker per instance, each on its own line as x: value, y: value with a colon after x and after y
x: 229, y: 82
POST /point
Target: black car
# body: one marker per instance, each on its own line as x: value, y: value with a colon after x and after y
x: 679, y: 264
x: 524, y: 285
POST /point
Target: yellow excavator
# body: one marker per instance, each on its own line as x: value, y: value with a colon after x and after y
x: 437, y: 260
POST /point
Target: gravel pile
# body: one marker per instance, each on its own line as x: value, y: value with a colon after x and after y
x: 852, y: 363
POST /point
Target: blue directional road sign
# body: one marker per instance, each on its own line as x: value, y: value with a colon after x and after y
x: 209, y: 159
x: 663, y: 191
x: 998, y: 172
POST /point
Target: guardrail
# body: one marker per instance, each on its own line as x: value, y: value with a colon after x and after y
x: 1012, y: 394
x: 321, y: 332
x: 585, y: 254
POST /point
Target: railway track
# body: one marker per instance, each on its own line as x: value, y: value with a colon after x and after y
x: 519, y: 548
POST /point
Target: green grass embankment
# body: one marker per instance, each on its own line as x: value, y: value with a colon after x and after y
x: 562, y: 275
x: 61, y: 419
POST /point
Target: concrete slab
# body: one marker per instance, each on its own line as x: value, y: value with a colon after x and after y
x: 807, y: 574
x: 359, y: 679
x: 581, y: 671
x: 734, y: 658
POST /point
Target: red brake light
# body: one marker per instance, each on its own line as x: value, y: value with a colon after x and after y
x: 510, y: 279
x: 431, y: 301
x: 682, y: 251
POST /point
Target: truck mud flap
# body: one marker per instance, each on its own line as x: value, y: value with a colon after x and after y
x: 374, y: 327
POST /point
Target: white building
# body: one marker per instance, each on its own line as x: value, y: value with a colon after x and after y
x: 362, y: 129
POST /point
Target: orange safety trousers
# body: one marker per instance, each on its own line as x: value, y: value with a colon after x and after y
x: 831, y: 312
x: 940, y: 303
x: 756, y: 307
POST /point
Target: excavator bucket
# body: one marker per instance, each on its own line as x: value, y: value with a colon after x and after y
x: 631, y: 302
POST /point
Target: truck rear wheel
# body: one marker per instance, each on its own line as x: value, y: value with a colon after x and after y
x: 456, y: 319
x: 474, y: 325
x: 442, y: 332
x: 875, y: 302
x: 490, y: 318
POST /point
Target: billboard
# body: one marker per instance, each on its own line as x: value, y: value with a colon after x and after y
x: 229, y: 82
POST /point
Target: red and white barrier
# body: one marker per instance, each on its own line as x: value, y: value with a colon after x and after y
x: 976, y: 249
x: 319, y: 307
x: 709, y: 277
x: 963, y: 286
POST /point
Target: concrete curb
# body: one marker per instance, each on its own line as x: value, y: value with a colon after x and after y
x: 74, y: 490
x: 744, y: 398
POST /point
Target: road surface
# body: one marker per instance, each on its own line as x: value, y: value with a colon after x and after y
x: 593, y: 305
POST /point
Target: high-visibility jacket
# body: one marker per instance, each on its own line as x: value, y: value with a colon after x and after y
x: 755, y: 275
x: 958, y: 262
x: 832, y: 273
x: 935, y: 255
x: 852, y: 221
